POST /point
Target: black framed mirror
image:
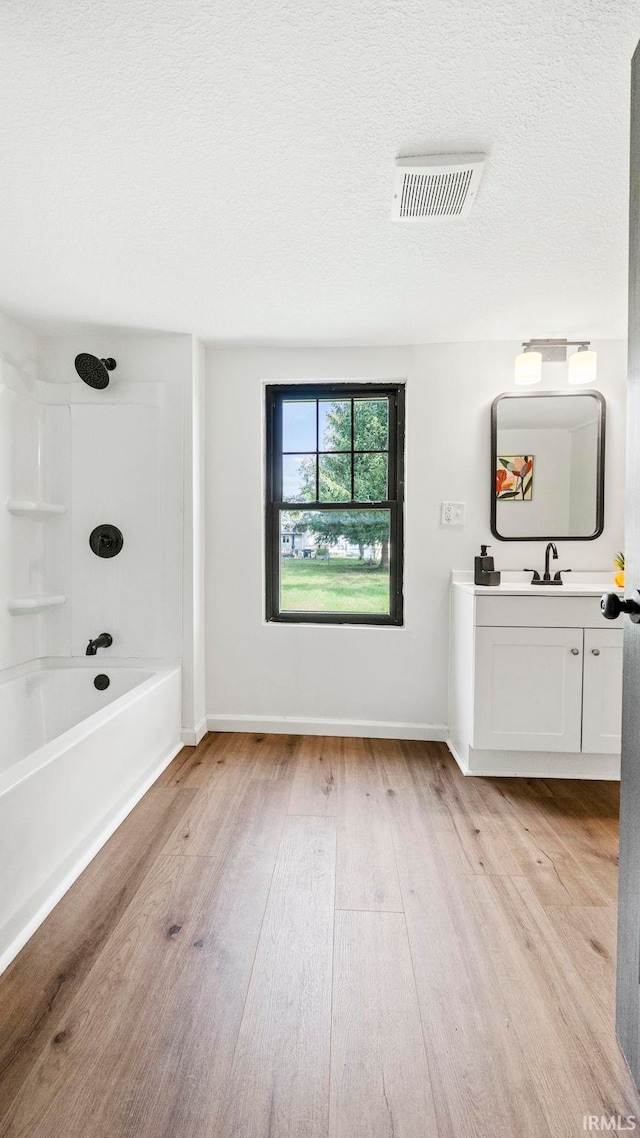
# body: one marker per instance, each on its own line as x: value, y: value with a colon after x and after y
x: 547, y: 465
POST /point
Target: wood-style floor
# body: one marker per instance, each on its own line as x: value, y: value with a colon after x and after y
x: 309, y: 937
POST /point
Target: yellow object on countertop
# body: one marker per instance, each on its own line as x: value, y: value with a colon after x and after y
x: 619, y: 578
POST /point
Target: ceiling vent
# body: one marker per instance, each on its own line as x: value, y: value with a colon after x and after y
x: 437, y: 185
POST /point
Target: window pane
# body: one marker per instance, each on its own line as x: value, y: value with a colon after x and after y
x: 335, y: 477
x: 299, y: 477
x: 334, y: 424
x: 334, y: 561
x: 370, y: 480
x: 371, y: 424
x: 299, y: 425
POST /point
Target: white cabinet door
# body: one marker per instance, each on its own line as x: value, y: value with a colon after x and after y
x: 528, y: 689
x: 602, y: 699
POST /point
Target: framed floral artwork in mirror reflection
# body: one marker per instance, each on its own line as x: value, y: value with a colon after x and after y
x: 514, y: 477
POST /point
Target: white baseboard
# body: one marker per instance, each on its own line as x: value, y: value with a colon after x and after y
x: 356, y: 728
x: 536, y: 764
x: 191, y: 736
x: 88, y: 853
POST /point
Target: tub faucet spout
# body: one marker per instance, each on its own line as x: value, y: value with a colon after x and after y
x: 104, y: 640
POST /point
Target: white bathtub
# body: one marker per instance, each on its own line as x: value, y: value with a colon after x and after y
x: 73, y: 762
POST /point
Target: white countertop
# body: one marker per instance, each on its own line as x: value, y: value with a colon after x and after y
x: 579, y: 583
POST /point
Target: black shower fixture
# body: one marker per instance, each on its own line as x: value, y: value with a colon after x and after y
x: 106, y: 540
x: 94, y: 371
x: 104, y: 640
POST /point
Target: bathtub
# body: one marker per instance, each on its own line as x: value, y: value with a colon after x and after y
x: 74, y: 760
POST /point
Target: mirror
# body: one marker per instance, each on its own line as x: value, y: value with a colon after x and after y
x: 547, y: 466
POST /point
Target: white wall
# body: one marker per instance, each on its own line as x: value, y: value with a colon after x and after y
x: 377, y: 680
x: 18, y: 346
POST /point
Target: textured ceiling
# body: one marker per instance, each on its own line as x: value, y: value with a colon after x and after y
x: 225, y: 167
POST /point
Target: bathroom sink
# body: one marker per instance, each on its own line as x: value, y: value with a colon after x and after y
x: 580, y: 583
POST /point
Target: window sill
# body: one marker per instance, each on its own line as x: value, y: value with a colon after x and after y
x: 346, y: 623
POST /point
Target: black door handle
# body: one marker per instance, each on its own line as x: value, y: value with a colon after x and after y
x: 611, y: 605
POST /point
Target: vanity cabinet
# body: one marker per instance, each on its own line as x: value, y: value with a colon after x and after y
x: 535, y: 684
x: 602, y: 690
x: 528, y: 692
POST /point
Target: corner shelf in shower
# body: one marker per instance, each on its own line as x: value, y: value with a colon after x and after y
x: 39, y: 511
x: 38, y: 603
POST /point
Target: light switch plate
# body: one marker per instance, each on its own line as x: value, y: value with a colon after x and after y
x: 452, y: 514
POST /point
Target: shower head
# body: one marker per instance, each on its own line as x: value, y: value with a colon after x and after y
x: 93, y: 371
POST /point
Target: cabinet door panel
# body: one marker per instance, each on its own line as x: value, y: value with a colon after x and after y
x: 602, y: 703
x: 528, y: 689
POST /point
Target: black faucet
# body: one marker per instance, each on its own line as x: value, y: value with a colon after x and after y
x: 551, y: 548
x: 546, y: 579
x: 104, y: 640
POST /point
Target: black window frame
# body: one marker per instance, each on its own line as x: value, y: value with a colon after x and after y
x: 276, y: 393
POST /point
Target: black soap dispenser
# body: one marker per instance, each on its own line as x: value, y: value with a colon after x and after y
x: 484, y: 572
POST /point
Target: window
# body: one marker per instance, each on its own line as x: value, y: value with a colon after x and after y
x: 334, y: 510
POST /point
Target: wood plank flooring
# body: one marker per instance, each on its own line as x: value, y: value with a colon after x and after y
x: 295, y: 937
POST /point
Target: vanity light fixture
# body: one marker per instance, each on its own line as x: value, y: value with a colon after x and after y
x: 528, y: 369
x: 583, y: 365
x: 528, y: 365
